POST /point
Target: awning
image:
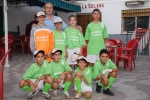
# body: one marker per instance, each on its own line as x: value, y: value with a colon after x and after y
x: 58, y: 5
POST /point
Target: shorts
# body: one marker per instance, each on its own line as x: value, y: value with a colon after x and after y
x: 84, y: 88
x: 92, y: 58
x: 40, y: 85
x: 70, y: 53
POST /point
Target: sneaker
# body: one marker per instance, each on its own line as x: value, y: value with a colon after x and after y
x: 55, y: 93
x: 98, y: 88
x: 78, y: 95
x: 31, y: 95
x: 46, y: 95
x: 66, y: 94
x: 108, y: 92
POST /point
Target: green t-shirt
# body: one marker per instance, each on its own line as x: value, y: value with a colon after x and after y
x: 60, y: 42
x: 74, y: 38
x: 35, y: 71
x: 99, y: 68
x: 58, y: 68
x: 95, y: 33
x: 87, y: 74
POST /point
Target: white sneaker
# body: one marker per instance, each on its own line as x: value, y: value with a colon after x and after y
x: 78, y: 95
x: 55, y: 93
x: 46, y: 95
x: 66, y: 94
x: 31, y: 95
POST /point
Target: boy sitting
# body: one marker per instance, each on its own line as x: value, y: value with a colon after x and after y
x: 105, y: 72
x: 61, y: 73
x: 37, y: 75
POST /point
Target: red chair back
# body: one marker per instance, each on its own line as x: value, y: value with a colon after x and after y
x: 119, y: 41
x: 109, y: 43
x: 11, y: 40
x: 132, y: 43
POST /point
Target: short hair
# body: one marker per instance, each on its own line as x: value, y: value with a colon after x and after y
x: 96, y: 10
x: 82, y: 60
x: 71, y: 16
x: 57, y: 51
x: 103, y: 51
x: 47, y: 3
x: 41, y: 51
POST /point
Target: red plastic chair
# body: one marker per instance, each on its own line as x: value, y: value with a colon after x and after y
x: 84, y: 50
x: 2, y: 61
x: 127, y: 54
x: 27, y: 44
x: 119, y: 41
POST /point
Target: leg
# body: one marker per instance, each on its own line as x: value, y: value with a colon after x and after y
x: 67, y: 82
x: 88, y: 95
x: 47, y: 84
x: 25, y: 86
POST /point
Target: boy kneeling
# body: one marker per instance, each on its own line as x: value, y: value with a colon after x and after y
x: 105, y: 72
x: 36, y: 76
x: 83, y: 79
x: 61, y: 73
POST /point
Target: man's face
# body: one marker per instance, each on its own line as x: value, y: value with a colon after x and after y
x: 41, y: 19
x: 104, y: 57
x: 81, y: 64
x: 39, y: 58
x: 57, y: 56
x: 48, y: 9
x: 96, y: 15
x: 72, y: 21
x: 58, y: 25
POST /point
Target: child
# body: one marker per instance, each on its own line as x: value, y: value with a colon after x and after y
x: 105, y: 72
x: 37, y: 75
x: 75, y: 40
x: 41, y: 37
x: 61, y: 73
x: 60, y: 38
x: 83, y: 79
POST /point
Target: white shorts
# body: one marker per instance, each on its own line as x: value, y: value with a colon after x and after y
x: 40, y: 85
x: 92, y: 58
x: 70, y: 53
x: 84, y: 87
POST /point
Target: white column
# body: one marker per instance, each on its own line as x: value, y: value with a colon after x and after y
x: 5, y: 8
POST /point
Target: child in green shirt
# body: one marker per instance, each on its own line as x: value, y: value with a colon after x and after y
x: 60, y: 38
x: 75, y: 40
x: 37, y: 75
x: 83, y: 79
x: 61, y: 73
x: 105, y: 72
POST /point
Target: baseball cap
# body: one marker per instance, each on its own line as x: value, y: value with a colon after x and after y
x: 82, y: 58
x: 56, y: 50
x: 40, y: 13
x: 37, y: 51
x: 57, y: 20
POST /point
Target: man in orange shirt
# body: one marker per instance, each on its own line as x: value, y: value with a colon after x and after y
x: 42, y: 37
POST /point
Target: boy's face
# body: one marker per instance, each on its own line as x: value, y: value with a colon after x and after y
x: 39, y: 58
x: 104, y: 57
x: 81, y: 64
x: 72, y: 21
x: 57, y: 56
x: 96, y: 15
x: 48, y: 9
x: 58, y: 25
x: 41, y: 19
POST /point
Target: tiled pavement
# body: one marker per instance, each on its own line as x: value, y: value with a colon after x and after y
x: 128, y: 86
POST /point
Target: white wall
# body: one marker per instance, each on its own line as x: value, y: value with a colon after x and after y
x: 111, y: 13
x: 21, y: 17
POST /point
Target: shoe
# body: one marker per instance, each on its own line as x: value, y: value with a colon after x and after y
x: 31, y: 94
x: 108, y: 92
x: 78, y: 95
x: 98, y: 88
x: 46, y: 95
x: 55, y: 93
x: 66, y: 94
x: 51, y: 90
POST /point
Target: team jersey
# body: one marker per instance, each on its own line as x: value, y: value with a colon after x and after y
x: 87, y: 74
x: 41, y: 39
x: 58, y: 68
x: 74, y: 38
x: 95, y: 33
x: 99, y: 68
x: 60, y: 42
x: 35, y: 71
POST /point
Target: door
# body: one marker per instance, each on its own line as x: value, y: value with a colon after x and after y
x: 1, y: 21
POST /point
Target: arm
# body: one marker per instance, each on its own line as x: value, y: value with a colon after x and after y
x: 85, y: 80
x: 87, y: 33
x: 105, y: 33
x: 32, y: 42
x: 96, y: 72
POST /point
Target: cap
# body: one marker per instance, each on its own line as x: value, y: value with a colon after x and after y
x: 40, y: 13
x: 57, y: 20
x: 81, y: 58
x: 56, y: 50
x: 37, y: 51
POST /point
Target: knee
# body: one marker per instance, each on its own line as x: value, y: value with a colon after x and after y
x: 113, y: 74
x: 49, y: 80
x: 55, y: 85
x: 88, y: 94
x: 21, y: 83
x: 105, y: 82
x: 68, y: 76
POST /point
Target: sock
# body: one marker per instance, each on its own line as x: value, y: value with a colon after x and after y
x: 47, y: 87
x: 111, y: 81
x: 91, y: 68
x: 67, y: 85
x: 27, y: 88
x: 78, y: 84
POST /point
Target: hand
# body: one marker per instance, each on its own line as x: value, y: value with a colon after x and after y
x: 59, y: 80
x: 36, y: 83
x: 79, y: 28
x: 79, y: 74
x: 48, y: 54
x: 62, y: 76
x: 33, y: 25
x: 80, y: 53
